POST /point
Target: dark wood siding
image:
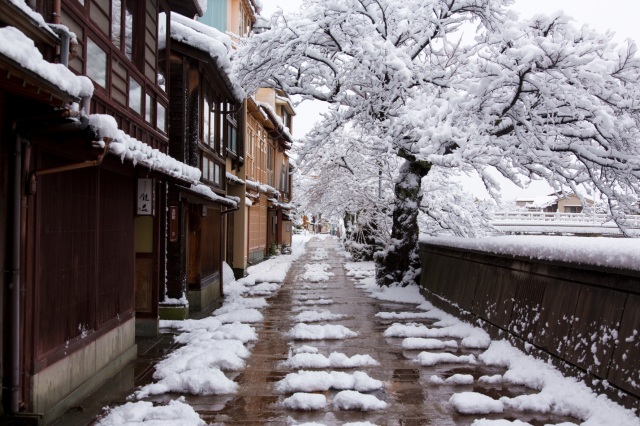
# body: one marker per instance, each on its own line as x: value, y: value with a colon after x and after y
x: 211, y: 242
x: 116, y: 251
x: 150, y: 37
x: 85, y: 252
x: 100, y: 15
x: 67, y: 255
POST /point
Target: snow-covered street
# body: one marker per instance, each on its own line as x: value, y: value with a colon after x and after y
x: 324, y: 345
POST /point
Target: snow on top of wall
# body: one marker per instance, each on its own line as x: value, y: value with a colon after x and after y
x: 138, y: 152
x: 17, y: 46
x: 22, y: 5
x: 621, y: 253
x: 207, y: 39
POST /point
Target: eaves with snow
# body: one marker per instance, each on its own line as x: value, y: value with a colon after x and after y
x: 207, y: 40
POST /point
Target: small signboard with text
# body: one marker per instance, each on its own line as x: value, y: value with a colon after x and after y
x: 146, y: 199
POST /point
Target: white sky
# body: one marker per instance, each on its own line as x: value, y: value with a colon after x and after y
x: 619, y: 16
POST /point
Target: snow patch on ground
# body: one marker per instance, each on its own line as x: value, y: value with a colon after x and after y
x: 475, y: 403
x: 557, y: 394
x: 407, y: 315
x: 429, y: 358
x: 334, y: 360
x: 472, y: 337
x: 315, y: 316
x: 304, y: 331
x: 316, y: 272
x: 320, y: 381
x: 418, y: 343
x: 136, y: 413
x: 352, y: 400
x: 305, y: 401
x: 199, y: 381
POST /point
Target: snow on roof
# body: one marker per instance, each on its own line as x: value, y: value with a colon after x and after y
x: 15, y: 45
x: 544, y: 201
x: 129, y: 148
x: 206, y: 191
x: 22, y: 5
x: 623, y: 253
x: 286, y: 100
x: 233, y: 178
x: 257, y: 186
x: 205, y: 39
x: 276, y: 119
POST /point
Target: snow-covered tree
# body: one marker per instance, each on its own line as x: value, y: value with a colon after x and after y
x: 535, y: 98
x: 351, y: 179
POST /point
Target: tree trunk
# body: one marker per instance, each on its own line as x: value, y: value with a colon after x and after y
x: 400, y: 262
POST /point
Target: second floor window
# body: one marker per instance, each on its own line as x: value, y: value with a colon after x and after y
x: 125, y: 24
x: 232, y: 131
x: 135, y: 95
x: 96, y: 63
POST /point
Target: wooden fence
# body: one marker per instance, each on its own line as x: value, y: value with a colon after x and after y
x: 586, y: 319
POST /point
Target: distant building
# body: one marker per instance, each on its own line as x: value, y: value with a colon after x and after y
x: 568, y: 203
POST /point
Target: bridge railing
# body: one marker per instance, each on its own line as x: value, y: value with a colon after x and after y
x: 511, y: 217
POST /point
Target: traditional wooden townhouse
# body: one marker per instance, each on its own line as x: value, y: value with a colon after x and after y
x: 206, y: 103
x: 278, y: 167
x: 260, y: 174
x: 236, y: 18
x: 84, y: 181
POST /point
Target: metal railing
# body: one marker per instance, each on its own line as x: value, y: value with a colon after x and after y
x: 561, y: 219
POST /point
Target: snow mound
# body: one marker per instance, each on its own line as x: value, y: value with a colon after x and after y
x: 304, y: 331
x: 352, y: 400
x: 475, y: 403
x: 320, y: 381
x: 305, y: 401
x: 406, y: 315
x: 335, y: 360
x: 201, y: 381
x: 305, y: 349
x: 241, y: 316
x: 557, y: 394
x: 417, y: 343
x: 222, y: 354
x: 472, y: 337
x: 316, y: 272
x: 428, y: 358
x: 315, y: 316
x: 459, y: 379
x: 135, y: 413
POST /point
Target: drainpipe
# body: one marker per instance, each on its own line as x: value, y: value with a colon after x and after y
x: 65, y: 41
x: 33, y: 181
x: 15, y: 280
x: 55, y: 12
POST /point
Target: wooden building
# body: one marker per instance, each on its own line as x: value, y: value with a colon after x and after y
x: 85, y: 173
x: 204, y: 119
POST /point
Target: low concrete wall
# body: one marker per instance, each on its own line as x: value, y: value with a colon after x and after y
x: 585, y: 319
x: 63, y: 384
